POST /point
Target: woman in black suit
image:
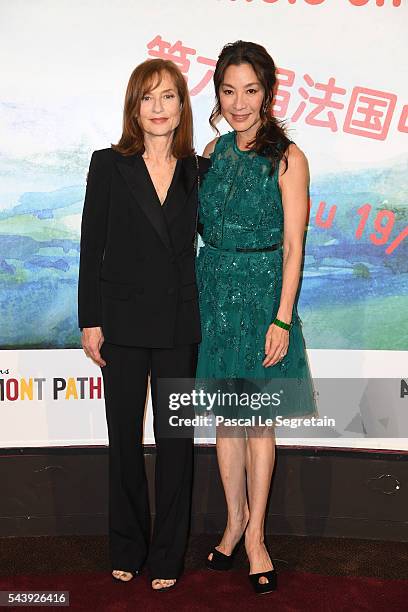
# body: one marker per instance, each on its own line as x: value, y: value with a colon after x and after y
x: 139, y: 313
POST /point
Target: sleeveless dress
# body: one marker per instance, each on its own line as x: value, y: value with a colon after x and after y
x: 240, y: 206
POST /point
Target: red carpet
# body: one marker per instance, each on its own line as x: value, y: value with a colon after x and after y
x: 205, y: 590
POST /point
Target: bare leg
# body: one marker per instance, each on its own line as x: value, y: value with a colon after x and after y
x: 260, y: 459
x: 231, y: 461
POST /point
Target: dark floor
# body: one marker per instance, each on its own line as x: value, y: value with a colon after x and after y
x: 329, y: 556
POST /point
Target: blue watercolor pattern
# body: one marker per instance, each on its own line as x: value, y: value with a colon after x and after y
x: 349, y: 287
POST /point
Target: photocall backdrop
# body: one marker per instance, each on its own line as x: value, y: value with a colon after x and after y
x: 343, y: 91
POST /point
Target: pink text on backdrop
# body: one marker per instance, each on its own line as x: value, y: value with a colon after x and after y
x: 366, y: 112
x: 382, y: 224
x: 395, y: 3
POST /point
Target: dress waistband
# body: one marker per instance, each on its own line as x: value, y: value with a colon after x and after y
x: 273, y: 247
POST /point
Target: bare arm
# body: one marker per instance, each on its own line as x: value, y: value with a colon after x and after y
x: 294, y: 185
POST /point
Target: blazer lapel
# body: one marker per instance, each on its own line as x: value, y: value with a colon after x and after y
x: 189, y: 174
x: 136, y: 175
x: 182, y: 188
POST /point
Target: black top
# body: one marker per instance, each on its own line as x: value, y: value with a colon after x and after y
x: 137, y: 262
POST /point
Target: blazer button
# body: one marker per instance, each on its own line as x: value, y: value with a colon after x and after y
x: 171, y: 290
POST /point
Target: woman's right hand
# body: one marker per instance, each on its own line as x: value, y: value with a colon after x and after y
x: 92, y: 340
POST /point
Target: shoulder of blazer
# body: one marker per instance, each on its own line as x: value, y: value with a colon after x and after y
x: 105, y: 156
x: 100, y: 163
x: 204, y: 164
x: 103, y: 160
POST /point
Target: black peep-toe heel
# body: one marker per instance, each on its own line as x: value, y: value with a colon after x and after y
x: 269, y: 586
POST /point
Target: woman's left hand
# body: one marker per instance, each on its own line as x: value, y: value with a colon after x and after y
x: 276, y: 345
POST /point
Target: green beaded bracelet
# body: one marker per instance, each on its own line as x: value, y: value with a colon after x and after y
x: 282, y: 324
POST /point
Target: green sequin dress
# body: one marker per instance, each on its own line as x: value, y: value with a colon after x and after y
x: 241, y: 206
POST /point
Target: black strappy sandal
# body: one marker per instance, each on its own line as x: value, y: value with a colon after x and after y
x: 166, y: 588
x: 132, y: 571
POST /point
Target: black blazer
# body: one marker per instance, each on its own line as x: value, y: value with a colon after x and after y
x: 137, y: 262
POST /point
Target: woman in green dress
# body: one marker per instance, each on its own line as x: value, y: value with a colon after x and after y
x: 253, y: 214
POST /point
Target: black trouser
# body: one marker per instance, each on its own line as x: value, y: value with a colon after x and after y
x: 125, y: 382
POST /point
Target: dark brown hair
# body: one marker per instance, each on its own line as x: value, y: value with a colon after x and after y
x: 144, y: 78
x: 270, y: 140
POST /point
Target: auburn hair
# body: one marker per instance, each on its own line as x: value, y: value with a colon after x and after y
x: 144, y: 78
x: 270, y: 140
